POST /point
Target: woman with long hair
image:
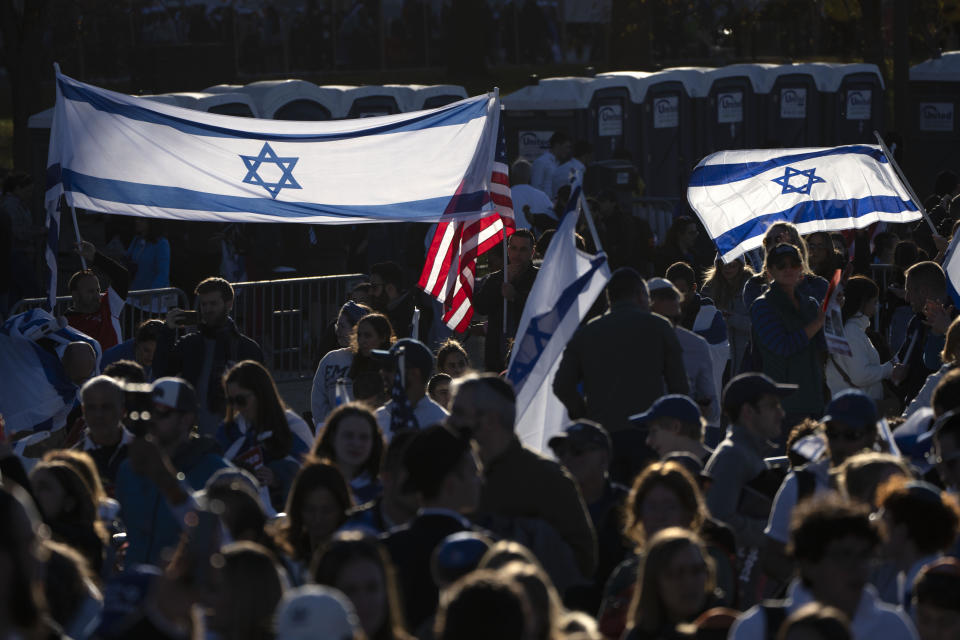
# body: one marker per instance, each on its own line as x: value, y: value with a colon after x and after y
x: 664, y: 495
x: 336, y: 363
x: 259, y: 432
x: 674, y: 585
x: 69, y: 509
x: 357, y: 564
x: 247, y: 590
x: 862, y: 369
x: 723, y: 283
x: 788, y: 333
x: 352, y: 440
x: 316, y: 507
x: 149, y: 256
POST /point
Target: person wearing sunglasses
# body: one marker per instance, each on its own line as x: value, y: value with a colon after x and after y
x: 259, y: 432
x: 787, y: 333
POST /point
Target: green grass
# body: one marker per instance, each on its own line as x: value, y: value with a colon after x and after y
x: 6, y: 143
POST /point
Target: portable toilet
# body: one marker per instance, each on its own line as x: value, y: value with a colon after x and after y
x: 532, y: 115
x: 732, y: 114
x: 795, y: 105
x: 857, y: 105
x: 611, y: 117
x: 295, y: 100
x: 668, y: 129
x: 232, y: 102
x: 932, y: 139
x: 374, y: 100
x: 636, y: 83
x: 434, y: 96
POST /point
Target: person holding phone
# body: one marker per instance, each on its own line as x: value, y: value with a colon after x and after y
x: 202, y: 356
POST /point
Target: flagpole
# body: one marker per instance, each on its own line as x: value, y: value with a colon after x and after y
x: 906, y: 184
x: 76, y: 229
x: 496, y: 109
x: 593, y: 230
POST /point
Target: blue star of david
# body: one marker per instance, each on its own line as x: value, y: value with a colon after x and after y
x: 269, y: 156
x: 789, y: 172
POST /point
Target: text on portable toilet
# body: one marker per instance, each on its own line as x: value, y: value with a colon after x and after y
x: 936, y: 116
x: 858, y: 104
x: 666, y: 112
x: 610, y: 120
x: 730, y: 107
x: 533, y: 143
x: 793, y: 103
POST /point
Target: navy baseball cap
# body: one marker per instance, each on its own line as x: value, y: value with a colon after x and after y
x: 675, y: 405
x: 784, y: 250
x: 748, y: 387
x: 582, y: 432
x: 416, y: 355
x: 175, y: 393
x: 853, y: 408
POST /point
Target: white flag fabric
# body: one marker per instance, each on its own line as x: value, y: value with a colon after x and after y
x: 116, y: 153
x: 36, y: 393
x: 566, y: 287
x: 951, y: 265
x: 738, y: 195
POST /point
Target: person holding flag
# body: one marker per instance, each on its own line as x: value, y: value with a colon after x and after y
x: 408, y: 365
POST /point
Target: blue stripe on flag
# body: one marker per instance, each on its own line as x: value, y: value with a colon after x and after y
x: 456, y: 115
x: 810, y: 211
x: 53, y: 175
x: 716, y: 174
x: 135, y: 193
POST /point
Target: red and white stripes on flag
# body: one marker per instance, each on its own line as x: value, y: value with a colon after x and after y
x: 451, y: 265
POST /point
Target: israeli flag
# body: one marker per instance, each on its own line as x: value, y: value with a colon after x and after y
x: 121, y: 154
x: 36, y: 394
x: 566, y: 287
x: 738, y: 195
x: 951, y: 266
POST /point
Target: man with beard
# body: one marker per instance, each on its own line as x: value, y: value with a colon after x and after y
x: 202, y: 356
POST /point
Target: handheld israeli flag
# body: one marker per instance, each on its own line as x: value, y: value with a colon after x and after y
x: 738, y: 195
x: 951, y: 266
x: 566, y: 287
x: 37, y: 395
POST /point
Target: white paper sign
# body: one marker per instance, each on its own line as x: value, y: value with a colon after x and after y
x: 610, y: 120
x: 936, y: 116
x: 793, y: 103
x: 730, y: 107
x: 533, y: 143
x: 833, y: 327
x: 858, y: 104
x: 666, y: 112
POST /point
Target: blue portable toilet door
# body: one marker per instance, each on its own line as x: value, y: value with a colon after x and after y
x: 859, y: 110
x: 934, y: 142
x: 667, y: 139
x: 729, y: 119
x: 794, y: 117
x: 610, y: 122
x: 302, y: 109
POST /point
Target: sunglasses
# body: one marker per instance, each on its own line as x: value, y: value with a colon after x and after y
x: 850, y: 435
x: 238, y: 400
x: 787, y: 264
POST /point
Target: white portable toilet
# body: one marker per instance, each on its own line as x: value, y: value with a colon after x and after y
x: 295, y: 100
x: 932, y: 139
x: 376, y: 100
x: 435, y: 95
x: 532, y: 115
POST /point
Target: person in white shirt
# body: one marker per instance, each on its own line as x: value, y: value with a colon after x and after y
x: 418, y: 367
x: 547, y: 162
x: 528, y: 201
x: 573, y: 169
x: 862, y: 369
x: 834, y: 544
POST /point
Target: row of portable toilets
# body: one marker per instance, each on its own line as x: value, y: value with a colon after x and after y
x: 662, y: 123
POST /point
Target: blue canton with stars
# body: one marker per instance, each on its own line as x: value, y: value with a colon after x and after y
x: 790, y: 172
x: 269, y: 156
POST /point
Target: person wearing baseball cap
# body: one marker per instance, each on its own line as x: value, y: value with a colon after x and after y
x: 674, y: 423
x: 584, y: 449
x: 420, y: 410
x: 752, y: 402
x: 163, y: 467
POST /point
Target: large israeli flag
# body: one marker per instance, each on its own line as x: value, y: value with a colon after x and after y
x: 738, y: 195
x: 951, y: 265
x: 566, y: 287
x: 116, y: 153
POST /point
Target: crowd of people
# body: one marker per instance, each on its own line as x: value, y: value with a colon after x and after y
x: 723, y: 473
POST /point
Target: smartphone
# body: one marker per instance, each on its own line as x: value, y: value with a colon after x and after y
x: 189, y: 318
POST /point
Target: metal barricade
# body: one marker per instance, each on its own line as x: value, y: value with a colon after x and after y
x: 658, y: 212
x: 288, y: 318
x: 141, y: 305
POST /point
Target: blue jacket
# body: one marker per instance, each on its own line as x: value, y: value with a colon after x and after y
x: 151, y: 527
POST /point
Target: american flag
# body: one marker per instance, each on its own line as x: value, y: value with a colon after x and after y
x: 402, y: 416
x: 451, y: 265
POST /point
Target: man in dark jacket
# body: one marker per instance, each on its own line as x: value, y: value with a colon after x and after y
x: 201, y: 357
